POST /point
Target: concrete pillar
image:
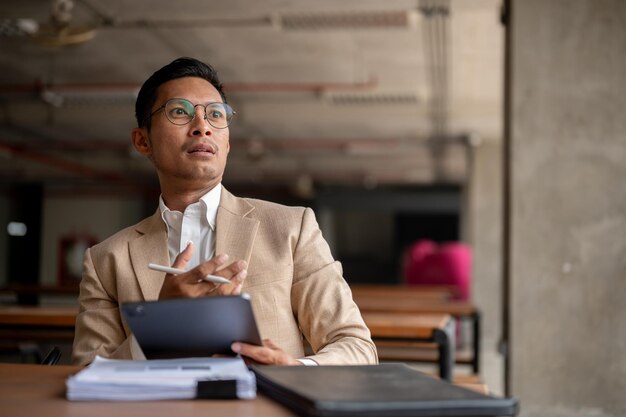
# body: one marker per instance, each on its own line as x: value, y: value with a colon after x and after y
x: 485, y: 237
x: 568, y: 207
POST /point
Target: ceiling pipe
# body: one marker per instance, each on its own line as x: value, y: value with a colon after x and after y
x: 263, y: 145
x: 300, y: 87
x: 233, y: 87
x: 365, y: 144
x: 314, y: 144
x: 62, y: 164
x: 286, y: 20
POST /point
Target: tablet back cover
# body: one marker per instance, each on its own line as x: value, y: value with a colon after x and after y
x: 191, y: 327
x: 374, y: 390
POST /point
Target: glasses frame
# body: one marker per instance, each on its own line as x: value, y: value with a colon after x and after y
x: 205, y: 106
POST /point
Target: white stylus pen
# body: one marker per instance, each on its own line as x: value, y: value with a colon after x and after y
x: 210, y: 278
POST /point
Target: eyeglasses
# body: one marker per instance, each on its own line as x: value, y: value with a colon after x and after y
x: 180, y: 112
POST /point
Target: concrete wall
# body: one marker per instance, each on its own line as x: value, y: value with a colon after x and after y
x: 484, y: 232
x: 568, y: 238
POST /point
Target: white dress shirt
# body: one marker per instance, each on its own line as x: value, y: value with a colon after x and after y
x: 196, y: 224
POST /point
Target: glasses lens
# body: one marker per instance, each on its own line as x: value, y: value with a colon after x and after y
x: 219, y: 114
x: 179, y: 111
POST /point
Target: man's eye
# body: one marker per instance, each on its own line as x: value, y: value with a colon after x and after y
x: 179, y: 112
x: 215, y: 114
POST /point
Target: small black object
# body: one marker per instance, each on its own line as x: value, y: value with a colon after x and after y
x: 225, y: 389
x: 53, y: 356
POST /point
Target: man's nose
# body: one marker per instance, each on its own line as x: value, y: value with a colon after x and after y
x: 200, y: 123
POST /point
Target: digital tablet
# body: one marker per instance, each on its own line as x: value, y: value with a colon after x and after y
x: 191, y: 327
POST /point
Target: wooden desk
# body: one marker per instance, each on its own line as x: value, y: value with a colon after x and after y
x: 396, y: 299
x: 52, y: 317
x: 37, y: 390
x: 429, y: 328
x: 37, y: 324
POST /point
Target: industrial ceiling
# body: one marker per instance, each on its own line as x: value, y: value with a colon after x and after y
x: 351, y: 92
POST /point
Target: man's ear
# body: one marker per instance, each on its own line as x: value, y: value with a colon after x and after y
x: 141, y: 142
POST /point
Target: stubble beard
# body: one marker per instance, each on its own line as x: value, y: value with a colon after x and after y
x: 192, y: 173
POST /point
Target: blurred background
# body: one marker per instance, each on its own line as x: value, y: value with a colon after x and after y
x: 498, y: 124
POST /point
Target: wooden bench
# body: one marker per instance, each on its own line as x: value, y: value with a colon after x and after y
x: 422, y: 292
x: 434, y: 329
x: 23, y: 329
x: 409, y: 300
x: 37, y: 323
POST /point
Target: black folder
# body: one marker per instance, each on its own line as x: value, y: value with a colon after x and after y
x: 374, y: 390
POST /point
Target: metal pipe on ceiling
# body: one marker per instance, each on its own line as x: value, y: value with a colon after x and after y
x: 62, y: 164
x: 38, y: 88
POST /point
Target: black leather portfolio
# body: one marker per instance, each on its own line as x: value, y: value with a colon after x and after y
x: 374, y: 390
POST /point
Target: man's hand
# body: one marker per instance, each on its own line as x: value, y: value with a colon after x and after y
x: 268, y: 354
x: 191, y: 283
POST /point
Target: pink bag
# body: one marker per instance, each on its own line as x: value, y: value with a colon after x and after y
x: 450, y: 263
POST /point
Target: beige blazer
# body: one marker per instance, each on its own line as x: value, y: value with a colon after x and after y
x: 295, y: 286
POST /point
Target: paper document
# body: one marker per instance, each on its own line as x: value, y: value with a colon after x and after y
x: 162, y: 379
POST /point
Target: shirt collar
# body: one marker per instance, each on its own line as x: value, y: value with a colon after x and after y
x: 210, y: 201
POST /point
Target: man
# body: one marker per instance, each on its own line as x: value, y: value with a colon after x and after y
x: 274, y: 253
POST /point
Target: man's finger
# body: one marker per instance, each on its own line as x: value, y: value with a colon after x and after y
x: 237, y: 281
x: 269, y: 353
x: 270, y: 344
x: 183, y: 257
x: 235, y: 286
x: 211, y: 266
x: 260, y: 354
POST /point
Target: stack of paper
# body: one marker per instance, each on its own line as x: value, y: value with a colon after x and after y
x: 140, y: 380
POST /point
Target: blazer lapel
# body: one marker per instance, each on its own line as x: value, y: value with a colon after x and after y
x: 151, y: 246
x: 234, y: 231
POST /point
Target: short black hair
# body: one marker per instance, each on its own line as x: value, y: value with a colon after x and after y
x: 179, y: 68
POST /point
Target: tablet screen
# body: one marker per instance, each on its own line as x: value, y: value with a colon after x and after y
x: 191, y: 327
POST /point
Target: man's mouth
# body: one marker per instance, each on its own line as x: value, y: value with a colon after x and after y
x: 202, y: 149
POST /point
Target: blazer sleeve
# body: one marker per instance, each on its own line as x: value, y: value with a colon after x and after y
x: 99, y: 329
x: 322, y: 302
